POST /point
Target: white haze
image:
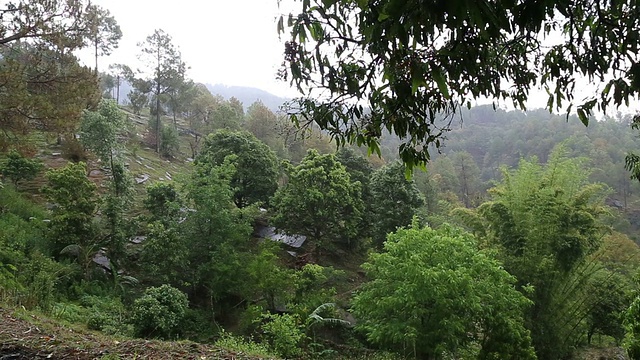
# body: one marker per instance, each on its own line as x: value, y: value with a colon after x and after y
x: 230, y: 42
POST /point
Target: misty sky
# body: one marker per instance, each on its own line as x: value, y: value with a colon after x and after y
x: 232, y: 42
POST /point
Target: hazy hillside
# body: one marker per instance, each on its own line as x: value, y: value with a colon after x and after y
x: 247, y: 95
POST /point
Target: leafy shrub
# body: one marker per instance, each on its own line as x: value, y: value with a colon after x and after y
x: 18, y: 168
x: 39, y: 276
x: 168, y: 137
x: 69, y: 312
x: 73, y: 150
x: 170, y: 143
x: 196, y: 326
x: 314, y: 285
x: 9, y: 285
x: 284, y: 334
x: 21, y: 228
x: 18, y: 236
x: 250, y: 319
x: 237, y: 344
x: 107, y: 315
x: 13, y: 202
x: 159, y: 311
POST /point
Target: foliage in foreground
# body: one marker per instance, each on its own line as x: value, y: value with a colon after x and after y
x: 543, y: 225
x: 433, y: 293
x: 159, y: 311
x: 366, y: 68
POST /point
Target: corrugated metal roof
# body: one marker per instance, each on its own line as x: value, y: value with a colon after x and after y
x: 269, y: 232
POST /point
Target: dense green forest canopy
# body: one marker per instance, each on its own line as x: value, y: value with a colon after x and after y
x: 181, y: 214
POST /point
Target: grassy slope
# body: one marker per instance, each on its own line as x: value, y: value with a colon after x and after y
x: 140, y: 159
x: 30, y: 336
x: 25, y: 335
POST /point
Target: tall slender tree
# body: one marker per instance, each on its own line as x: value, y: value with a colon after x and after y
x: 103, y: 32
x: 468, y: 175
x: 164, y: 69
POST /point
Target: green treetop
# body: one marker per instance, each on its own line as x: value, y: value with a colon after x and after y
x: 432, y: 292
x: 543, y: 223
x: 320, y: 202
x: 256, y: 165
x: 394, y: 200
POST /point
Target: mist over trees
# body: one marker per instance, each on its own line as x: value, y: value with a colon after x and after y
x: 179, y: 213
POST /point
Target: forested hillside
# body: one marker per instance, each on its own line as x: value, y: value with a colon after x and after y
x: 179, y: 214
x: 484, y: 141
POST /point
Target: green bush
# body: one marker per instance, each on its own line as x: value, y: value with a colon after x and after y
x: 197, y: 325
x: 159, y: 312
x: 314, y: 285
x: 18, y: 168
x: 170, y: 144
x: 240, y: 345
x: 69, y: 312
x: 284, y: 334
x: 12, y: 245
x: 107, y: 315
x: 250, y: 319
x: 40, y: 277
x: 17, y: 233
x: 12, y: 202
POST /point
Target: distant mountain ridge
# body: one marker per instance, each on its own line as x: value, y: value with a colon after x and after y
x: 248, y: 95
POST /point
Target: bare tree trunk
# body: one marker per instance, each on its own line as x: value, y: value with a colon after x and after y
x: 117, y: 89
x: 465, y: 187
x: 175, y: 122
x: 158, y: 103
x: 95, y: 43
x: 158, y: 118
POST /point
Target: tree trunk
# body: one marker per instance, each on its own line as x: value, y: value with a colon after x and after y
x: 158, y: 119
x: 117, y: 89
x: 95, y: 43
x: 158, y: 103
x: 465, y: 187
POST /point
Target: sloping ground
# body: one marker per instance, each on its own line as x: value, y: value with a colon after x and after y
x: 31, y: 337
x: 610, y: 353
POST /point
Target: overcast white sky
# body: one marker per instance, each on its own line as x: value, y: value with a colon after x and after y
x: 231, y: 42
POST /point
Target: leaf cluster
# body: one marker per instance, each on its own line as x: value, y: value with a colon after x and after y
x: 256, y: 165
x: 433, y: 293
x: 17, y: 167
x: 406, y: 67
x: 319, y: 201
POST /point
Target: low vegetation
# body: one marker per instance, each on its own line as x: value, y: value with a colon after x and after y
x: 180, y: 224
